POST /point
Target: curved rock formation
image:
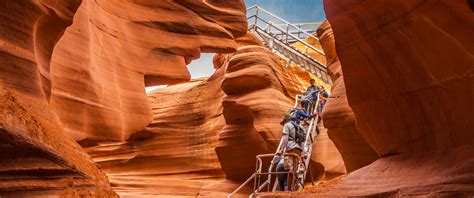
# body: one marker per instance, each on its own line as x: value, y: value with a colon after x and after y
x: 423, y: 72
x: 37, y: 158
x: 102, y: 64
x: 259, y: 90
x: 408, y: 72
x: 200, y: 141
x: 337, y: 115
x: 95, y: 82
x: 176, y: 150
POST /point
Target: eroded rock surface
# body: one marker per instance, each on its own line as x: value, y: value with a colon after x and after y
x: 205, y: 134
x: 259, y: 90
x: 37, y: 158
x: 337, y: 114
x: 174, y: 155
x: 102, y: 64
x: 91, y: 86
x: 408, y: 72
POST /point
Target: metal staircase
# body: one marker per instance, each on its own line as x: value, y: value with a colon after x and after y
x: 260, y: 187
x: 280, y: 36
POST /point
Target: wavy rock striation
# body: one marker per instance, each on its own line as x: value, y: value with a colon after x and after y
x: 176, y: 150
x: 101, y: 66
x: 337, y: 115
x: 205, y: 133
x: 259, y: 90
x: 37, y: 158
x: 412, y: 77
x: 408, y: 72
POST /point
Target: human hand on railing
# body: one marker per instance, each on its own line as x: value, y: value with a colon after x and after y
x: 279, y: 153
x: 306, y: 121
x: 276, y: 158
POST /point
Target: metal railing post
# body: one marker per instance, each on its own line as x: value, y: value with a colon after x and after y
x: 255, y: 180
x: 282, y: 32
x: 256, y: 15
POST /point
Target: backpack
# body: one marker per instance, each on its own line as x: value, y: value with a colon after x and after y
x: 299, y: 135
x: 290, y: 114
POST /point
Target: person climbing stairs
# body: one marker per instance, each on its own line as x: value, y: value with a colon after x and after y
x: 294, y: 149
x: 280, y: 37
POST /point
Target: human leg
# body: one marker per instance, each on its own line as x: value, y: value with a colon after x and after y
x: 292, y: 166
x: 282, y: 177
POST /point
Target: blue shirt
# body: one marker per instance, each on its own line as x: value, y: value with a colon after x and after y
x: 300, y: 113
x: 315, y: 91
x: 325, y: 94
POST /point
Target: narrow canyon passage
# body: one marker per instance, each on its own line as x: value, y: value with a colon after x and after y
x: 76, y: 121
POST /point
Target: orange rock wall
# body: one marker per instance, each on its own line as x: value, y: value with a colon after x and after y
x: 89, y: 82
x: 37, y: 158
x: 337, y: 115
x: 408, y: 71
x: 408, y: 68
x: 176, y: 150
x: 86, y: 83
x: 101, y: 66
x: 199, y: 141
x: 259, y: 90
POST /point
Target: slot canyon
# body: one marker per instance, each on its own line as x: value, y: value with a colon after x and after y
x: 76, y: 121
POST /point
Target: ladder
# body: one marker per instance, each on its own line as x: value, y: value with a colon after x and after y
x: 303, y: 166
x: 280, y: 36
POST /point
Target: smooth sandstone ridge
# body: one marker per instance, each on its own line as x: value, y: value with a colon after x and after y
x: 259, y: 90
x: 37, y: 157
x: 76, y: 71
x: 78, y: 82
x: 113, y: 49
x: 337, y: 114
x: 199, y: 143
x: 408, y: 73
x: 174, y: 155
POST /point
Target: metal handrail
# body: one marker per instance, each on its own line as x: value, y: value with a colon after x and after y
x: 242, y: 185
x: 320, y: 65
x: 273, y: 29
x: 309, y: 135
x: 269, y: 173
x: 308, y: 142
x: 303, y: 24
x: 290, y: 34
x: 259, y: 171
x: 276, y: 17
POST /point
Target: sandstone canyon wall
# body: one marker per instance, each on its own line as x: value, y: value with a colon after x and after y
x: 403, y: 88
x: 205, y: 133
x: 408, y: 72
x: 337, y: 115
x: 416, y: 69
x: 174, y: 155
x: 114, y: 49
x: 37, y: 158
x: 259, y: 90
x: 91, y: 86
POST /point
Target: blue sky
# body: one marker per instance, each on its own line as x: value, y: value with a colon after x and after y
x: 294, y: 11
